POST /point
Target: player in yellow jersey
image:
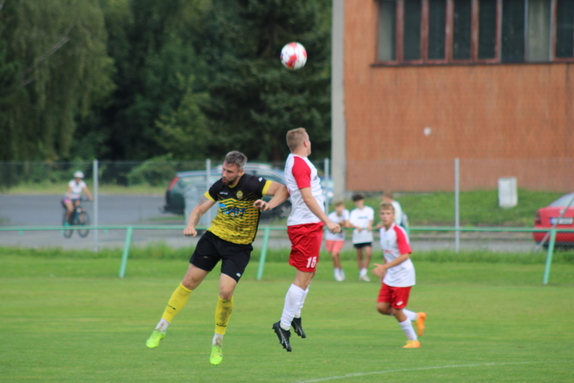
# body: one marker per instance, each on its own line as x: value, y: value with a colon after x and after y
x: 228, y: 239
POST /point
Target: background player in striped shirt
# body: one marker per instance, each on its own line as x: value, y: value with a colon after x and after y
x: 398, y: 276
x: 228, y: 239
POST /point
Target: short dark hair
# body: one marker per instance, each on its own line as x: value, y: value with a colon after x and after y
x: 357, y: 197
x: 236, y: 158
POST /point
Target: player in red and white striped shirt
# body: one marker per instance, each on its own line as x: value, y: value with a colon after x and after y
x: 398, y: 276
x: 305, y: 230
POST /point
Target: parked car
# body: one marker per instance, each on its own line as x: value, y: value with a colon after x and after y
x: 174, y: 195
x: 547, y: 216
x: 194, y: 183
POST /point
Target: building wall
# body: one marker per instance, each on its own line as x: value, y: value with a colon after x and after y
x: 486, y: 112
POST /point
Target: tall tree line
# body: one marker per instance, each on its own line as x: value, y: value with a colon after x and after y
x: 141, y: 79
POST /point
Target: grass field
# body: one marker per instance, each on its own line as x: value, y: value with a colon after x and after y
x: 72, y: 320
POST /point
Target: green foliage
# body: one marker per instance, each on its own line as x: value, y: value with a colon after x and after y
x: 152, y: 44
x: 154, y: 172
x: 137, y: 79
x: 54, y: 66
x: 251, y: 94
x: 183, y: 131
x: 32, y: 174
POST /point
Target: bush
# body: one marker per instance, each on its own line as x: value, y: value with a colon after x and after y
x: 152, y: 172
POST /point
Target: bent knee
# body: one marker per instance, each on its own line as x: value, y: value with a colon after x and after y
x: 385, y: 310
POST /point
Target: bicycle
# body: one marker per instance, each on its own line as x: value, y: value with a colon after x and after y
x: 78, y: 218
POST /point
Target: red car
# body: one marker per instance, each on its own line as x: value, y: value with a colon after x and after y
x: 547, y: 216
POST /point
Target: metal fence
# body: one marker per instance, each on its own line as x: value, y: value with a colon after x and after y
x: 128, y: 193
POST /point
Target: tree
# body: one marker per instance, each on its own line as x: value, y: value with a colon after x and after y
x: 53, y: 66
x: 183, y: 131
x: 253, y: 98
x: 152, y: 44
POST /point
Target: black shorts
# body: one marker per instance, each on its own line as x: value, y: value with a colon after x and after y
x: 211, y: 249
x: 362, y: 245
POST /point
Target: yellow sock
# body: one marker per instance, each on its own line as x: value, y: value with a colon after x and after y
x: 222, y: 314
x: 176, y: 302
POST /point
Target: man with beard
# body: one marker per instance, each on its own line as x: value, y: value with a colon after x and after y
x: 229, y: 239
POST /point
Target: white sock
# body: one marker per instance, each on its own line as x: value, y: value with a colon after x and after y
x: 293, y: 303
x: 363, y: 272
x: 305, y: 292
x: 410, y: 314
x: 217, y: 339
x: 162, y: 325
x: 408, y: 329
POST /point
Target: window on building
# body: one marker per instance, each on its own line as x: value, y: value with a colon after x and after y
x: 387, y: 30
x: 487, y: 30
x: 436, y: 30
x: 412, y: 30
x: 462, y: 17
x: 564, y: 29
x: 469, y: 31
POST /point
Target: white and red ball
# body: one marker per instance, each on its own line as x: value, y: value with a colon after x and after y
x: 293, y: 56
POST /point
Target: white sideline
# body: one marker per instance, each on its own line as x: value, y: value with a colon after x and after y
x: 408, y: 369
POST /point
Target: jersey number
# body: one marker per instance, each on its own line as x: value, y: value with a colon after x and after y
x: 311, y: 262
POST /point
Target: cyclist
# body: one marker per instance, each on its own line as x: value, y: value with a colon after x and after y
x: 72, y: 197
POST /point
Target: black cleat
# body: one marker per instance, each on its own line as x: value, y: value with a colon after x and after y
x: 283, y: 336
x: 298, y: 327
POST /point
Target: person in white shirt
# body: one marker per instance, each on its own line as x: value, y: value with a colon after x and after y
x: 397, y: 275
x: 72, y: 197
x: 336, y: 242
x: 389, y: 198
x: 305, y: 229
x: 361, y: 219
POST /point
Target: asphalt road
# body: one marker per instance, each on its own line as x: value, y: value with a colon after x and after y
x: 44, y: 210
x: 123, y: 210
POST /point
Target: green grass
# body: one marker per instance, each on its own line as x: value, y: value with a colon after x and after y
x: 161, y: 251
x: 70, y: 319
x: 477, y: 208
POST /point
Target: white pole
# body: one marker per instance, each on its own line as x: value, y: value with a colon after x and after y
x: 326, y: 191
x: 208, y: 178
x: 96, y: 198
x: 338, y: 123
x: 456, y: 205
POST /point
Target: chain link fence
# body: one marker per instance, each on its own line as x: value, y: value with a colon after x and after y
x: 466, y: 193
x: 491, y: 193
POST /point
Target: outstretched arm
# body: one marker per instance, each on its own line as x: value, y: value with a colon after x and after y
x: 200, y: 209
x: 279, y: 193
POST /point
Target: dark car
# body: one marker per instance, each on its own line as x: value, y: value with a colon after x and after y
x: 195, y: 183
x: 547, y: 216
x: 174, y: 195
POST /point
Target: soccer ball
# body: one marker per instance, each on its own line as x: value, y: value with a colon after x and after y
x: 293, y: 56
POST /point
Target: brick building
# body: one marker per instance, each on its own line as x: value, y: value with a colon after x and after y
x: 418, y: 83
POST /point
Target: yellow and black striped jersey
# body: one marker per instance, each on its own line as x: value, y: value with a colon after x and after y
x: 237, y: 220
